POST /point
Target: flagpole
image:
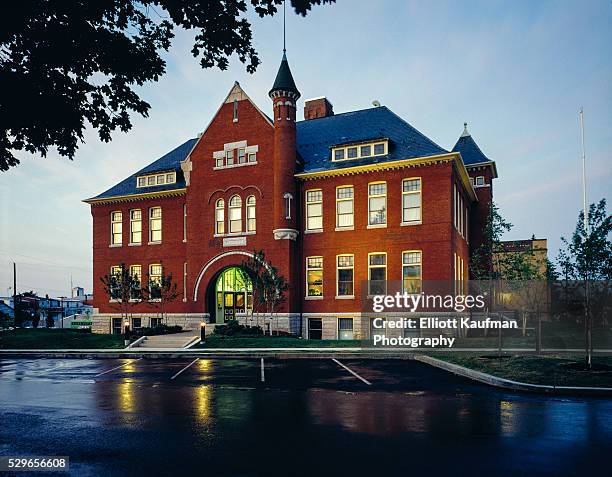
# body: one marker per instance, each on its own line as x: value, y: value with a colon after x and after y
x: 584, y: 191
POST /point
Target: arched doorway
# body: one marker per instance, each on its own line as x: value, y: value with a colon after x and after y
x: 233, y: 294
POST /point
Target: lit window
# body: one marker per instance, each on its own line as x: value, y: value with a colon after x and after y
x: 377, y: 203
x: 314, y: 210
x: 339, y: 154
x: 480, y: 181
x: 366, y: 151
x: 116, y: 228
x: 155, y: 280
x: 235, y: 215
x: 241, y: 156
x: 344, y: 207
x: 377, y: 273
x: 345, y: 265
x: 161, y: 179
x: 411, y: 272
x: 155, y: 224
x: 351, y: 152
x: 135, y: 226
x: 220, y: 217
x: 229, y: 157
x: 314, y: 276
x: 250, y: 213
x: 379, y: 149
x: 345, y: 328
x: 170, y: 178
x: 142, y: 181
x: 151, y: 180
x: 136, y: 274
x: 411, y: 201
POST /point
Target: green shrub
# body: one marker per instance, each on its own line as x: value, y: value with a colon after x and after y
x: 157, y: 330
x: 234, y: 328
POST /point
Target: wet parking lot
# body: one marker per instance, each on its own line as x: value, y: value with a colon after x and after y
x: 290, y: 417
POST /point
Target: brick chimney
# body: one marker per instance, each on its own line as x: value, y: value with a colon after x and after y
x: 318, y: 108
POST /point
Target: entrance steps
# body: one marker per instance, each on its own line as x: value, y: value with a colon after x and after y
x: 172, y: 341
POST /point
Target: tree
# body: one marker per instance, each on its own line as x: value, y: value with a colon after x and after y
x: 26, y: 308
x: 123, y: 290
x: 161, y: 292
x: 49, y: 321
x: 77, y: 63
x: 587, y: 257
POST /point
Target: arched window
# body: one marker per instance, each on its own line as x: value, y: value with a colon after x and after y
x: 220, y: 217
x: 250, y: 213
x: 235, y: 214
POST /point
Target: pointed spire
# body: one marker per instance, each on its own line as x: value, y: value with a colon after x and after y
x: 284, y: 79
x: 465, y: 131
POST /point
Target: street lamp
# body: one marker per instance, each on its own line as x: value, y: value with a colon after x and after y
x: 203, y: 332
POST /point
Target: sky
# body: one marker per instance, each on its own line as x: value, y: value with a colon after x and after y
x: 517, y: 72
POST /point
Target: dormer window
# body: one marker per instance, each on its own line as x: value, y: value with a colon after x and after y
x: 358, y: 151
x: 156, y: 179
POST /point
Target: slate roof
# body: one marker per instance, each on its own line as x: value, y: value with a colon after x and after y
x: 470, y: 152
x: 168, y: 162
x: 315, y: 137
x: 284, y: 79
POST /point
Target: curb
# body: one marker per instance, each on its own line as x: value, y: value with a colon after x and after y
x: 504, y: 383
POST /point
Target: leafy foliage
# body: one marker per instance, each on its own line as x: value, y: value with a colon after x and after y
x: 65, y: 64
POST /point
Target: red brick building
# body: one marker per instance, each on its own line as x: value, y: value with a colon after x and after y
x: 338, y: 203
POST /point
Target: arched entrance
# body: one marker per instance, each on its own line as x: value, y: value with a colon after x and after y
x: 233, y: 294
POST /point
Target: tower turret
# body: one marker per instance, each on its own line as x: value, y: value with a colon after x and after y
x: 284, y: 95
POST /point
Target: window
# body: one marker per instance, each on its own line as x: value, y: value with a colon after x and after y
x: 315, y: 328
x: 220, y: 217
x: 314, y: 209
x: 115, y: 282
x: 220, y: 161
x: 379, y: 149
x: 411, y: 201
x: 235, y: 118
x: 377, y: 273
x: 344, y: 207
x: 377, y: 203
x: 241, y: 156
x: 411, y: 272
x: 314, y: 276
x: 136, y: 323
x: 366, y: 151
x: 229, y: 157
x: 155, y: 224
x: 136, y: 274
x: 156, y: 322
x: 156, y: 179
x: 184, y: 222
x: 345, y: 267
x: 472, y: 180
x: 345, y: 328
x: 235, y: 214
x: 116, y: 228
x: 480, y: 181
x: 252, y: 157
x: 341, y: 153
x: 135, y: 226
x: 351, y: 152
x: 250, y: 214
x: 155, y: 281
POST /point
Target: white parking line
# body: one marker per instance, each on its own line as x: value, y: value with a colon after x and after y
x: 352, y: 372
x: 117, y: 367
x: 185, y: 368
x: 263, y: 375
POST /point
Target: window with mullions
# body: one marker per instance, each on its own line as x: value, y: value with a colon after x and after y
x: 135, y: 226
x: 377, y: 203
x: 345, y: 267
x: 377, y: 273
x: 136, y: 274
x: 235, y: 215
x: 155, y: 224
x: 344, y: 207
x: 411, y: 201
x: 115, y: 282
x: 116, y: 228
x: 155, y: 281
x: 412, y: 272
x: 314, y: 209
x: 345, y: 328
x: 220, y: 217
x: 314, y: 276
x: 250, y: 214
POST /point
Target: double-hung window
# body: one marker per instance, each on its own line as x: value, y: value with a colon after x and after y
x: 345, y: 275
x: 116, y: 278
x: 377, y: 273
x: 155, y: 281
x: 377, y: 203
x: 344, y: 207
x: 220, y: 217
x: 345, y: 328
x: 250, y: 214
x: 116, y: 228
x: 411, y: 271
x: 314, y: 276
x: 155, y: 224
x: 136, y: 274
x: 314, y: 209
x: 135, y: 226
x: 411, y: 201
x: 235, y: 215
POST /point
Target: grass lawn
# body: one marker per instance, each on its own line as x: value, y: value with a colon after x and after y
x: 551, y: 370
x: 218, y: 341
x: 45, y: 338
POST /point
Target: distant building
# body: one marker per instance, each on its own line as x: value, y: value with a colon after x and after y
x: 537, y: 248
x: 7, y: 314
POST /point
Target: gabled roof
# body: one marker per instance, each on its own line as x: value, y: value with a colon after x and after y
x: 168, y: 162
x: 315, y: 137
x: 470, y: 152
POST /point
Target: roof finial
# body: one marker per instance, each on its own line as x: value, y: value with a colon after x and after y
x: 284, y: 28
x: 465, y: 131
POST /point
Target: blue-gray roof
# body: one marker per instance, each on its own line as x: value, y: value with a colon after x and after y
x: 316, y: 136
x: 168, y: 162
x: 470, y: 152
